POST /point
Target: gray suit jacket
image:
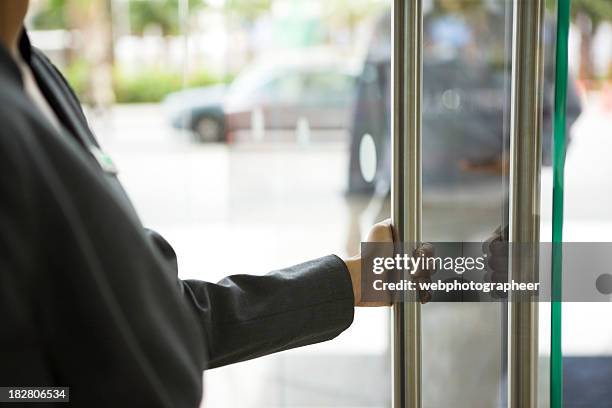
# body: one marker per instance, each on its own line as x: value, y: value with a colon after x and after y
x: 91, y: 300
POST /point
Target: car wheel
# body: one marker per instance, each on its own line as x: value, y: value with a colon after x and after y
x: 208, y: 129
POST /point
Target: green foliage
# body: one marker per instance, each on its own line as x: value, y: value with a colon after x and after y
x: 248, y: 10
x: 143, y: 13
x: 147, y: 86
x: 161, y: 13
x: 456, y: 6
x: 153, y: 85
x: 51, y: 17
x: 76, y: 74
x: 597, y: 10
x: 350, y: 12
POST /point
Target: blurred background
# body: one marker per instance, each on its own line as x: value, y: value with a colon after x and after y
x: 254, y: 134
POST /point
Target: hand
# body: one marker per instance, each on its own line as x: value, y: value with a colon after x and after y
x: 380, y: 232
x: 496, y: 249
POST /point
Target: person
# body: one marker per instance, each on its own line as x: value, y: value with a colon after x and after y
x: 89, y: 298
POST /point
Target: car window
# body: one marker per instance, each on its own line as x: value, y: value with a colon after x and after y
x: 287, y: 87
x: 327, y: 87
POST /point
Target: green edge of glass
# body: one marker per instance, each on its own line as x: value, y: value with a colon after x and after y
x: 559, y: 147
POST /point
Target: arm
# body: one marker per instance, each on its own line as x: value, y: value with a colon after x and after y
x: 247, y: 316
x: 250, y: 316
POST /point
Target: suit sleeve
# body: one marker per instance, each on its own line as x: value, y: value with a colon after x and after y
x: 246, y: 316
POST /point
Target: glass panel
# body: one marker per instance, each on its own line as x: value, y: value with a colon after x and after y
x: 586, y: 327
x: 467, y: 62
x: 466, y: 154
x: 298, y: 175
x: 466, y: 78
x: 234, y: 128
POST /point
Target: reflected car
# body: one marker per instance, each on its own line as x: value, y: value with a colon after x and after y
x: 466, y: 77
x: 279, y: 93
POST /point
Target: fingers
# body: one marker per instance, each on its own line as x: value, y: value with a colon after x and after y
x: 381, y: 232
x: 374, y: 304
x: 496, y: 249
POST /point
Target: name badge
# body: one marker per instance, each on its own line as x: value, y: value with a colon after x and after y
x: 104, y: 160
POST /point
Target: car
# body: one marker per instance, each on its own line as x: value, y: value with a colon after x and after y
x: 199, y: 110
x: 288, y: 91
x: 276, y: 93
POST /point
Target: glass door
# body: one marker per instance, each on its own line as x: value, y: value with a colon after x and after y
x: 475, y: 92
x: 270, y: 120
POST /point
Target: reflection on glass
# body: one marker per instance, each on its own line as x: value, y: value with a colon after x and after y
x: 367, y: 158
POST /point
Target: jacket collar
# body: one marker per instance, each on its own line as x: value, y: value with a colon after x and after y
x: 58, y: 94
x: 63, y: 101
x: 25, y: 48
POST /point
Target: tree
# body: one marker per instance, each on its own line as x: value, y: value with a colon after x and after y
x: 456, y: 5
x: 597, y: 10
x: 588, y: 14
x: 163, y: 14
x: 50, y: 16
x: 247, y: 11
x: 91, y: 19
x: 349, y: 13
